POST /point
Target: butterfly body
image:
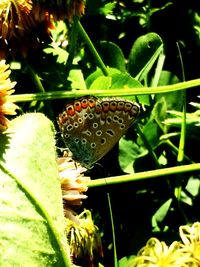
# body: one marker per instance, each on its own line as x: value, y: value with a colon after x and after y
x: 92, y: 126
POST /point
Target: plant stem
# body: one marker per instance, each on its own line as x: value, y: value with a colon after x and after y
x: 183, y: 124
x: 35, y: 78
x: 144, y: 175
x: 73, y: 43
x: 91, y: 47
x: 109, y: 93
x: 38, y: 84
x: 113, y: 231
x: 175, y: 149
x: 181, y: 148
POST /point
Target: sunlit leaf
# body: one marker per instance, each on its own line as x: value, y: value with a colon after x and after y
x: 77, y: 80
x: 61, y: 53
x: 31, y: 214
x: 102, y: 82
x: 98, y: 73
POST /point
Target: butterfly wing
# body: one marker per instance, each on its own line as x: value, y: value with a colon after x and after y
x: 91, y: 127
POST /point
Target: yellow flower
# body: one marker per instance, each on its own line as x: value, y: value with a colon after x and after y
x: 158, y: 254
x: 6, y: 89
x: 84, y: 240
x: 190, y: 236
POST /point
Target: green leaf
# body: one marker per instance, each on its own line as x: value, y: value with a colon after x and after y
x: 167, y: 78
x: 193, y: 186
x: 61, y: 53
x: 76, y: 78
x: 52, y: 75
x: 129, y: 151
x: 102, y: 82
x: 112, y: 55
x: 31, y: 212
x: 126, y: 261
x: 160, y: 215
x: 96, y: 74
x: 125, y: 81
x: 152, y: 133
x: 107, y: 8
x: 115, y: 80
x: 144, y: 53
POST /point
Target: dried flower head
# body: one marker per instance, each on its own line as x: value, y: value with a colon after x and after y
x: 73, y: 185
x: 83, y: 235
x: 26, y: 24
x: 6, y: 89
x: 19, y: 31
x: 61, y: 9
x: 12, y: 13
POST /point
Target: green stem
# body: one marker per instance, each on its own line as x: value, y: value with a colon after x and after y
x: 91, y: 47
x: 144, y: 175
x: 35, y: 78
x: 183, y: 124
x: 181, y: 149
x: 109, y: 93
x: 73, y: 44
x: 37, y: 82
x: 113, y: 231
x: 176, y: 150
x: 159, y: 69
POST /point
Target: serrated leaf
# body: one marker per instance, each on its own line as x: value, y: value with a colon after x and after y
x: 61, y: 54
x: 107, y: 8
x: 31, y: 213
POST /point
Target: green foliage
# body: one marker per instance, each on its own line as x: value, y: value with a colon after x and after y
x: 130, y: 45
x: 143, y: 55
x: 112, y: 55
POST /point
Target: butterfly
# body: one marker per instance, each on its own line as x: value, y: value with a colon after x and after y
x: 91, y: 126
